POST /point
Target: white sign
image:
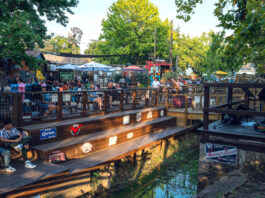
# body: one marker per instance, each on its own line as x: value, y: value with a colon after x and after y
x: 150, y: 115
x: 86, y: 148
x: 138, y: 117
x: 129, y: 135
x: 126, y: 119
x: 162, y: 113
x: 112, y: 140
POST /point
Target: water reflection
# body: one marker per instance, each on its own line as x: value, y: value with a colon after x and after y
x: 177, y: 177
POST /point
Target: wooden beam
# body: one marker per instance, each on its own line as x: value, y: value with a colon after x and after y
x: 206, y: 106
x: 236, y: 85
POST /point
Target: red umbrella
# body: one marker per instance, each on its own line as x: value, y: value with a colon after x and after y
x: 133, y: 68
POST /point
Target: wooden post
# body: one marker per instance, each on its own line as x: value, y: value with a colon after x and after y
x: 193, y: 98
x: 134, y: 99
x: 156, y: 97
x: 146, y: 99
x: 105, y: 105
x: 205, y: 109
x: 167, y: 97
x: 60, y: 106
x: 20, y: 110
x: 84, y: 102
x: 121, y: 100
x: 186, y: 109
x: 17, y: 110
x: 229, y: 96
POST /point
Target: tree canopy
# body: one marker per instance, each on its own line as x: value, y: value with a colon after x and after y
x: 60, y: 44
x: 23, y: 26
x: 129, y: 29
x: 245, y: 18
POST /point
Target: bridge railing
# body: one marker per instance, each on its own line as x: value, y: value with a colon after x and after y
x: 35, y: 107
x: 250, y: 98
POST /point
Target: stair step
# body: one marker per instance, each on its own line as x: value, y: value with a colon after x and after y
x: 91, y: 124
x: 122, y: 149
x: 100, y: 140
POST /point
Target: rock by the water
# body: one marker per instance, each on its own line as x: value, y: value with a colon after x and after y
x: 225, y: 185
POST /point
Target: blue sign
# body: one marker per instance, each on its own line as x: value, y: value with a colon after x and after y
x: 221, y: 153
x: 47, y: 133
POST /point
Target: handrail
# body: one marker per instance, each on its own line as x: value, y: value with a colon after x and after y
x: 63, y: 101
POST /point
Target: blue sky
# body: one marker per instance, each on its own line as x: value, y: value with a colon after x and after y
x: 89, y: 14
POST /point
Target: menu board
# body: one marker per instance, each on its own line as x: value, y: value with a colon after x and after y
x: 65, y: 76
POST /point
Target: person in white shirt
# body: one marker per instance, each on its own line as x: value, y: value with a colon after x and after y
x: 156, y: 83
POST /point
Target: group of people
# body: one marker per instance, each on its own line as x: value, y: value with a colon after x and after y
x: 169, y: 84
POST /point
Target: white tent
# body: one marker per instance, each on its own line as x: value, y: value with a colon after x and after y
x: 94, y: 66
x: 67, y: 66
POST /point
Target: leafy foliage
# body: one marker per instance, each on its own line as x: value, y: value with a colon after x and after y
x: 245, y: 18
x: 191, y: 51
x: 169, y: 76
x: 22, y: 26
x: 117, y: 77
x: 142, y: 78
x: 129, y: 29
x: 60, y: 44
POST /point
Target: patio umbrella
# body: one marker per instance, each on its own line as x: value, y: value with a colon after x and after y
x: 221, y: 73
x: 67, y: 66
x: 133, y: 68
x: 94, y: 66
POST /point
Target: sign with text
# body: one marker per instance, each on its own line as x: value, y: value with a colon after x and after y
x: 47, y: 133
x: 221, y: 153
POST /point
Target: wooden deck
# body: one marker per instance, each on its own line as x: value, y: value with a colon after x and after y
x: 24, y: 176
x: 108, y: 154
x: 218, y: 128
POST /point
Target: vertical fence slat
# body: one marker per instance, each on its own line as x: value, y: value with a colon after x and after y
x: 60, y: 106
x: 205, y: 109
x: 121, y: 100
x: 84, y: 104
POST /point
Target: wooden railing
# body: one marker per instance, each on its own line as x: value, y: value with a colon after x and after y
x: 29, y: 107
x: 250, y: 90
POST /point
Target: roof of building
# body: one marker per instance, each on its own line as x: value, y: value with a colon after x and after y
x: 35, y: 54
x: 61, y: 60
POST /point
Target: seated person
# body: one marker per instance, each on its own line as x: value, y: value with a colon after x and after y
x: 111, y: 93
x: 46, y: 103
x: 12, y: 138
x: 94, y: 97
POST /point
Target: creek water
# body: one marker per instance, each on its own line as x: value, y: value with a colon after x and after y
x: 176, y: 177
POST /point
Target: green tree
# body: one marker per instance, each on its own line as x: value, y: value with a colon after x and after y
x: 217, y: 58
x: 60, y: 44
x: 129, y: 29
x: 191, y: 51
x: 245, y: 18
x: 22, y: 26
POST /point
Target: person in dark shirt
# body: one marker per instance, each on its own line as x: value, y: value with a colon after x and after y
x: 50, y: 81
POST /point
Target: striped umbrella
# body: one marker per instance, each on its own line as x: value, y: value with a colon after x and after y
x: 133, y: 68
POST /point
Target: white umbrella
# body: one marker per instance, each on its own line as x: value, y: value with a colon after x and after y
x: 67, y: 66
x: 94, y: 66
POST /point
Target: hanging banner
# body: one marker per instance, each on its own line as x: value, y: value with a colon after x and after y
x: 221, y: 153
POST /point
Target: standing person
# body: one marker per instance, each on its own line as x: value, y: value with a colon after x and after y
x: 50, y: 81
x: 13, y: 138
x: 178, y: 84
x: 156, y: 83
